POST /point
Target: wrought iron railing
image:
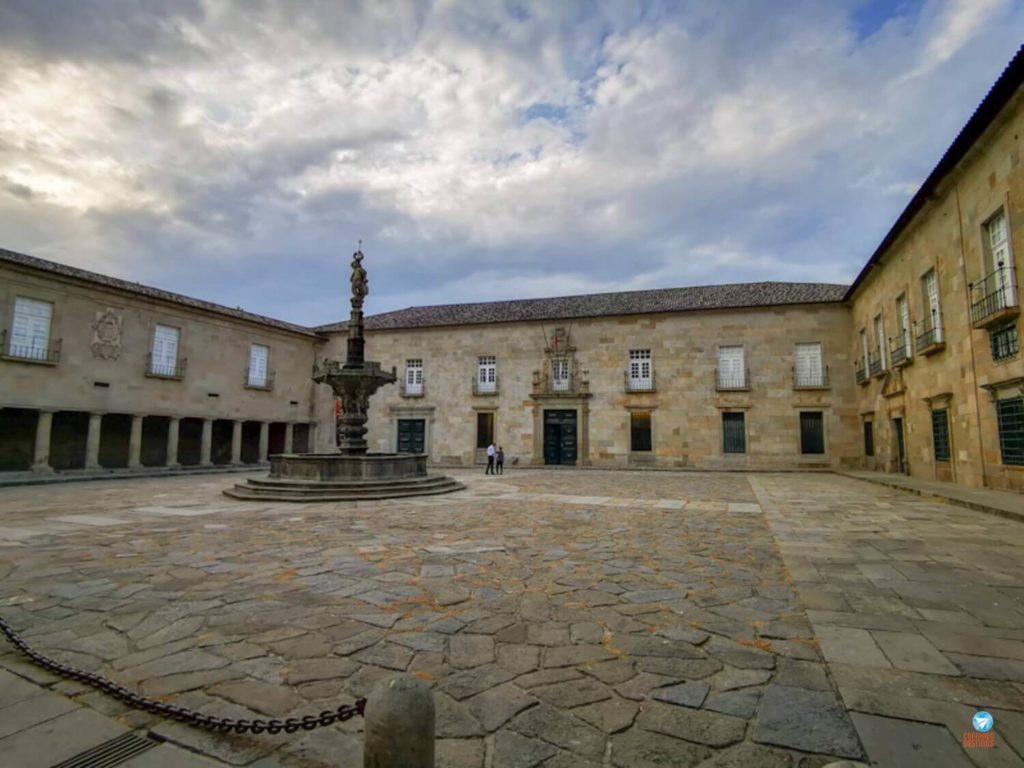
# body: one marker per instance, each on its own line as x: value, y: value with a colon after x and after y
x: 900, y: 351
x: 418, y: 389
x: 639, y: 384
x: 862, y: 372
x: 813, y: 379
x: 995, y: 292
x: 574, y: 384
x: 163, y: 370
x: 928, y: 334
x: 731, y: 381
x: 255, y: 382
x: 876, y: 363
x: 37, y: 353
x: 485, y: 388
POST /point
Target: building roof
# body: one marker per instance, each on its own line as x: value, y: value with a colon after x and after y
x: 734, y: 296
x: 53, y: 267
x: 998, y: 97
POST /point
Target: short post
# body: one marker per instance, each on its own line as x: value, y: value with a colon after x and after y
x: 399, y: 725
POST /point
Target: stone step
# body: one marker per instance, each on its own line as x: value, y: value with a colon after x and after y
x: 254, y: 493
x: 368, y: 484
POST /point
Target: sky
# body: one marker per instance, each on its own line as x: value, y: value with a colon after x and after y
x: 238, y: 151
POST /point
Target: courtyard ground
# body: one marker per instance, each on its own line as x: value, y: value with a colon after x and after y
x: 565, y: 618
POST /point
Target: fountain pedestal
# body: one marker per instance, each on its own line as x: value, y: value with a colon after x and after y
x: 352, y: 474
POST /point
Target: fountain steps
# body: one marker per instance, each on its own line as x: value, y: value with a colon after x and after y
x: 273, y: 489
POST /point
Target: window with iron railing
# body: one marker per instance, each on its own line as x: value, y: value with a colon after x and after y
x: 163, y: 368
x: 36, y: 352
x: 994, y: 296
x: 899, y: 352
x: 808, y: 371
x: 163, y: 358
x: 731, y: 373
x: 256, y: 375
x: 928, y: 334
x: 29, y: 336
x: 412, y: 384
x: 1004, y: 342
x: 862, y: 372
x: 940, y: 434
x: 640, y: 374
x: 486, y: 381
x: 734, y: 432
x: 876, y: 363
x: 1010, y: 420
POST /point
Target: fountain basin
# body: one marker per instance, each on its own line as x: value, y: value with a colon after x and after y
x: 338, y: 477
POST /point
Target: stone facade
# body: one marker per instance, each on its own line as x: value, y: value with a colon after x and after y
x: 685, y: 405
x: 949, y: 368
x: 93, y: 400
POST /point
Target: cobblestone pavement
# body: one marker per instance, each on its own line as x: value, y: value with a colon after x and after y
x: 570, y: 618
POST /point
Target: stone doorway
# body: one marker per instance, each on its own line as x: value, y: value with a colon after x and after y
x: 412, y: 435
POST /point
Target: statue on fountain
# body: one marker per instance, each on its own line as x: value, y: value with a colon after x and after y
x: 355, y: 380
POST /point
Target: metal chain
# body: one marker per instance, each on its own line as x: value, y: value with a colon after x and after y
x: 181, y: 714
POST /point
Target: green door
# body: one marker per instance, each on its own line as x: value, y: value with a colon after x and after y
x: 560, y: 437
x: 411, y: 435
x: 901, y: 448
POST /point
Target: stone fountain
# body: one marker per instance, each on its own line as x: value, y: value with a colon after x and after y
x: 351, y: 474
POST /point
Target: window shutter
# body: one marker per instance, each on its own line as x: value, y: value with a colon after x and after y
x: 808, y: 362
x: 165, y: 350
x: 730, y: 365
x: 258, y: 365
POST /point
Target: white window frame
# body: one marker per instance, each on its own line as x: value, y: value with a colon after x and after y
x: 560, y: 379
x: 487, y: 373
x: 641, y: 367
x: 903, y: 323
x: 414, y: 376
x: 258, y: 365
x: 732, y: 366
x: 809, y: 368
x: 864, y: 348
x: 880, y: 340
x: 163, y: 354
x: 31, y: 327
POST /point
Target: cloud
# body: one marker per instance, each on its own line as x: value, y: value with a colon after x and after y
x: 237, y: 150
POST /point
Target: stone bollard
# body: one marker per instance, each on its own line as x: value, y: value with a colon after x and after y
x: 399, y: 725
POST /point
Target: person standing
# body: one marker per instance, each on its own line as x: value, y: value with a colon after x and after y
x: 490, y: 460
x: 499, y: 457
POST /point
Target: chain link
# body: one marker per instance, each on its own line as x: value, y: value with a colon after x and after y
x: 191, y: 717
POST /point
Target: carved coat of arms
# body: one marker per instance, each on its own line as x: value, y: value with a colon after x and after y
x: 106, y: 335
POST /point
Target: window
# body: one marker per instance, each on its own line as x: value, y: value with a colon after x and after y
x: 903, y: 326
x: 414, y: 377
x: 812, y: 432
x: 734, y: 433
x: 487, y: 374
x: 997, y: 249
x: 808, y: 371
x: 640, y: 430
x: 940, y: 434
x: 640, y: 369
x: 930, y: 290
x: 732, y: 373
x: 864, y: 349
x: 869, y: 438
x: 258, y: 355
x: 1005, y: 342
x: 879, y: 343
x: 1010, y: 415
x: 560, y: 374
x: 30, y: 332
x: 163, y: 361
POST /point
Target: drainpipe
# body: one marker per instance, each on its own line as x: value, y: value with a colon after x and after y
x: 970, y: 337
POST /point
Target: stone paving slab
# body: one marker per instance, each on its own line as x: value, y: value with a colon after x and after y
x: 564, y: 619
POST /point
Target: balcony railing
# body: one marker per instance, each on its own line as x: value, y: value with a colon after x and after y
x: 256, y: 382
x: 929, y: 337
x: 732, y: 381
x: 900, y: 351
x: 994, y: 297
x: 48, y: 353
x: 813, y: 379
x: 876, y: 363
x: 484, y: 388
x: 639, y: 384
x: 862, y: 372
x: 159, y: 369
x: 574, y: 384
x: 413, y: 390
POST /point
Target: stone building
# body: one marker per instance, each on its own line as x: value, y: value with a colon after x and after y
x: 915, y: 367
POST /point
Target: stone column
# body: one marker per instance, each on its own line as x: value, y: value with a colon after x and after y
x: 207, y: 444
x: 264, y: 439
x: 92, y: 441
x: 173, y: 430
x: 236, y: 442
x: 41, y: 456
x: 289, y: 437
x: 135, y: 444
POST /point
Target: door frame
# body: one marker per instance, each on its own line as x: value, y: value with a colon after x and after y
x: 398, y: 423
x: 579, y: 402
x: 576, y: 430
x: 425, y: 412
x: 900, y: 436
